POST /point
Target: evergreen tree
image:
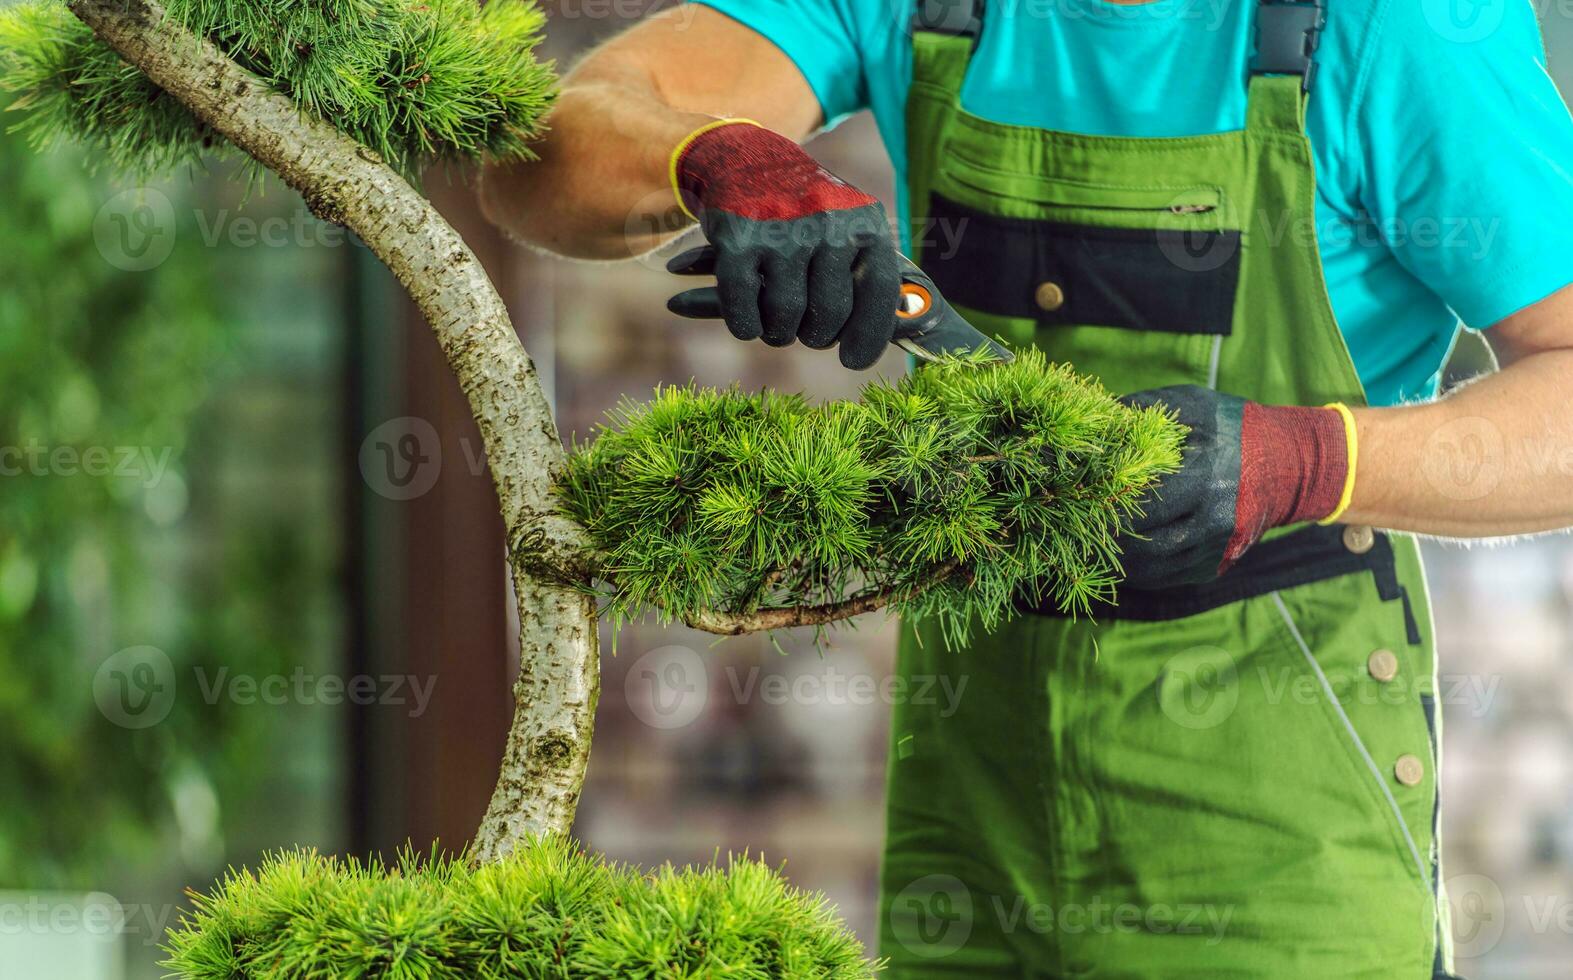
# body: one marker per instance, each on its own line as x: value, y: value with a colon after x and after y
x: 945, y: 493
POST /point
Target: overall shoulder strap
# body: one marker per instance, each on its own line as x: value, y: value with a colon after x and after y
x: 944, y: 35
x: 1283, y: 63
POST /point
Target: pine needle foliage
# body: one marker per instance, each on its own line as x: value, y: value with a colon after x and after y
x: 415, y: 80
x: 547, y: 911
x: 1017, y: 476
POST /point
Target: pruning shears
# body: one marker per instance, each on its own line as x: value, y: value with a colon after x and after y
x: 927, y: 327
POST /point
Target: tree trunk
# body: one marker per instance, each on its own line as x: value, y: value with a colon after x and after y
x: 344, y: 182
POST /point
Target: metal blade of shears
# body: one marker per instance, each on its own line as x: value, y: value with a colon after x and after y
x: 929, y: 328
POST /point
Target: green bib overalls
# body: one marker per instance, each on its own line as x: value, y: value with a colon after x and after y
x: 1236, y: 780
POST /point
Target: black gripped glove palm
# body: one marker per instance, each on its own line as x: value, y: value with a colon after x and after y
x: 1246, y: 468
x: 798, y: 254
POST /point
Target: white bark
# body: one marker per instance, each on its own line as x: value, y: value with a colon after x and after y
x: 342, y: 181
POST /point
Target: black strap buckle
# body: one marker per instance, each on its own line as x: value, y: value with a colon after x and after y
x: 958, y: 18
x: 1287, y: 32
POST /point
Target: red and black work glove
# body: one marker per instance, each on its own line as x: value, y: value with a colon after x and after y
x: 1246, y: 468
x: 798, y: 253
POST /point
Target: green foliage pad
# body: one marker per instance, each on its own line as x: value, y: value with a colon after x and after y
x: 415, y: 80
x: 548, y: 911
x: 1020, y: 475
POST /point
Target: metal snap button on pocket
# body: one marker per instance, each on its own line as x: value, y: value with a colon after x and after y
x: 1049, y: 296
x: 1383, y: 665
x: 1410, y: 770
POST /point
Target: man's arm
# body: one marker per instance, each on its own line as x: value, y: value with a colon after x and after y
x: 603, y: 174
x: 1494, y: 458
x: 1491, y: 460
x: 692, y: 102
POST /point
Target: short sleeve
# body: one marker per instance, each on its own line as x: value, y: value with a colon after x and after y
x: 820, y: 37
x: 1466, y: 153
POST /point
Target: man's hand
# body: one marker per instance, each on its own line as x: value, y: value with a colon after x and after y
x: 798, y: 254
x: 1246, y: 468
x: 1495, y: 458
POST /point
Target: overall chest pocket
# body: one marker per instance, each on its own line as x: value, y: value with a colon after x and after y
x: 1062, y: 253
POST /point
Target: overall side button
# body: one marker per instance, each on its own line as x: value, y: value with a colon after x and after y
x: 1410, y: 770
x: 1359, y: 538
x: 1383, y: 665
x: 1049, y: 296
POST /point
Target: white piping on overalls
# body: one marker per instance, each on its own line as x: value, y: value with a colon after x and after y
x: 1376, y: 772
x: 1212, y: 364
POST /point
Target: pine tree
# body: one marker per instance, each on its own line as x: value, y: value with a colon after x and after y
x: 944, y: 494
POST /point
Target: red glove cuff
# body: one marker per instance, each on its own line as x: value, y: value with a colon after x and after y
x: 1294, y: 467
x: 747, y: 170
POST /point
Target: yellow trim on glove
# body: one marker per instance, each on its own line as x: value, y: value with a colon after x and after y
x: 687, y: 141
x: 1353, y: 435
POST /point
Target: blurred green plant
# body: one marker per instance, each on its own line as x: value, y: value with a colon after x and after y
x: 998, y: 480
x: 91, y: 357
x: 107, y: 381
x: 415, y: 80
x: 547, y: 910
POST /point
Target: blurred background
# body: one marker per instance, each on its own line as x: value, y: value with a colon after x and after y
x: 252, y: 588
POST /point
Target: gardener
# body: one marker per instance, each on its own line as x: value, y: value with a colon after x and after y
x: 1233, y: 771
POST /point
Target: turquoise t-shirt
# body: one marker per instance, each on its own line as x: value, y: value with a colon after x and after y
x: 1444, y: 154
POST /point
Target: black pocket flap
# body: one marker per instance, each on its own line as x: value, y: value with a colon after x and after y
x: 1057, y: 273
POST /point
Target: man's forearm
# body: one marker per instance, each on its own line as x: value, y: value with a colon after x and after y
x: 1493, y: 459
x: 601, y: 188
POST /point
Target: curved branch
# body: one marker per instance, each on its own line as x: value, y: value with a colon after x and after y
x: 347, y: 183
x: 761, y: 620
